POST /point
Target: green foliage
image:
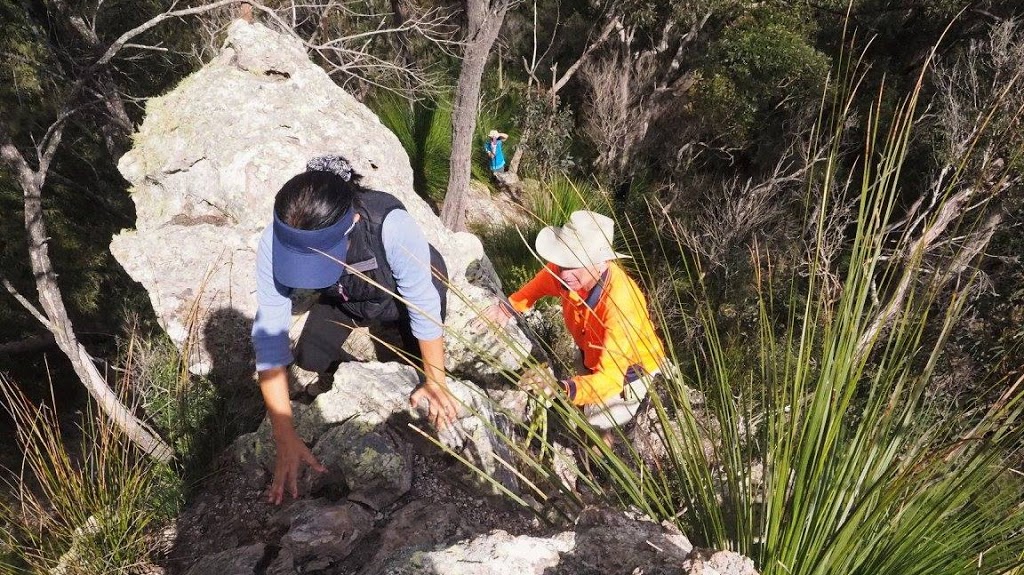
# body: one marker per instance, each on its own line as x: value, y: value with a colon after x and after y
x: 560, y: 197
x: 820, y: 439
x: 28, y: 82
x: 546, y: 151
x: 510, y: 251
x: 817, y: 450
x: 763, y: 61
x: 424, y: 129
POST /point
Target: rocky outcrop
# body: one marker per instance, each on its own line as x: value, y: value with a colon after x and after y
x: 603, y: 542
x: 204, y: 169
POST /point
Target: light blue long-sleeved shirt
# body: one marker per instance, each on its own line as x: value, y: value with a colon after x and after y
x: 408, y: 255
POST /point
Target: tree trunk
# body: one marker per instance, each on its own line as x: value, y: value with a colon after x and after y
x: 55, y: 316
x: 483, y: 22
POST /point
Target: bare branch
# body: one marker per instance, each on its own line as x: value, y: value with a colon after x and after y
x: 571, y: 70
x: 123, y: 39
x: 25, y: 303
x: 349, y: 42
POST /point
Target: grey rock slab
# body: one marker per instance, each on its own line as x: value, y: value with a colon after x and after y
x: 241, y: 561
x: 326, y: 534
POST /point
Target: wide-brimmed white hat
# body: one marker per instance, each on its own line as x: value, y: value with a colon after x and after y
x: 585, y: 240
x: 493, y: 134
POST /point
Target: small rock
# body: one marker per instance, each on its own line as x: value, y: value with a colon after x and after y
x: 369, y: 460
x: 326, y: 533
x: 710, y: 562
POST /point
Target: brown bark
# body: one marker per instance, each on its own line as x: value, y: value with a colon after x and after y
x: 483, y: 22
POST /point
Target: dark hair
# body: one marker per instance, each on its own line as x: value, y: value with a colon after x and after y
x: 314, y: 200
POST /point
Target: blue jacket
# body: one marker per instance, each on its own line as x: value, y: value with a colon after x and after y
x: 498, y: 161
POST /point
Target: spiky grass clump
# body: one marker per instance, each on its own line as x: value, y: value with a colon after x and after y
x: 79, y: 509
x: 424, y: 129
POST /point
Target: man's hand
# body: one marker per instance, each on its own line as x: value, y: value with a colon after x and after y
x: 539, y: 380
x: 497, y: 313
x: 442, y: 409
x: 291, y: 454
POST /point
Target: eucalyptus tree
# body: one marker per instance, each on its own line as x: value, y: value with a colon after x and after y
x: 483, y: 23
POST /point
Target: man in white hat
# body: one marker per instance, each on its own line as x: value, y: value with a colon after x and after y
x: 495, y: 151
x: 605, y: 312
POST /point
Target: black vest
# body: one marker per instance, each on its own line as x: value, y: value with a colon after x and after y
x: 366, y: 288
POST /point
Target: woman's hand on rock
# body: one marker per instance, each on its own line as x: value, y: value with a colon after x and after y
x: 292, y: 453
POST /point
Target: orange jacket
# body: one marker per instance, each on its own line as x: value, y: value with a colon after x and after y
x: 616, y: 334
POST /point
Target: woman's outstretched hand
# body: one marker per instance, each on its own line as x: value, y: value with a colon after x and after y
x: 291, y: 454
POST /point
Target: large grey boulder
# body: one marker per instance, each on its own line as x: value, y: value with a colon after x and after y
x: 204, y: 168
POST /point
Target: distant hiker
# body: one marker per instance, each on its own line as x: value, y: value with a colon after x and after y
x: 495, y: 151
x: 605, y: 312
x: 358, y: 248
